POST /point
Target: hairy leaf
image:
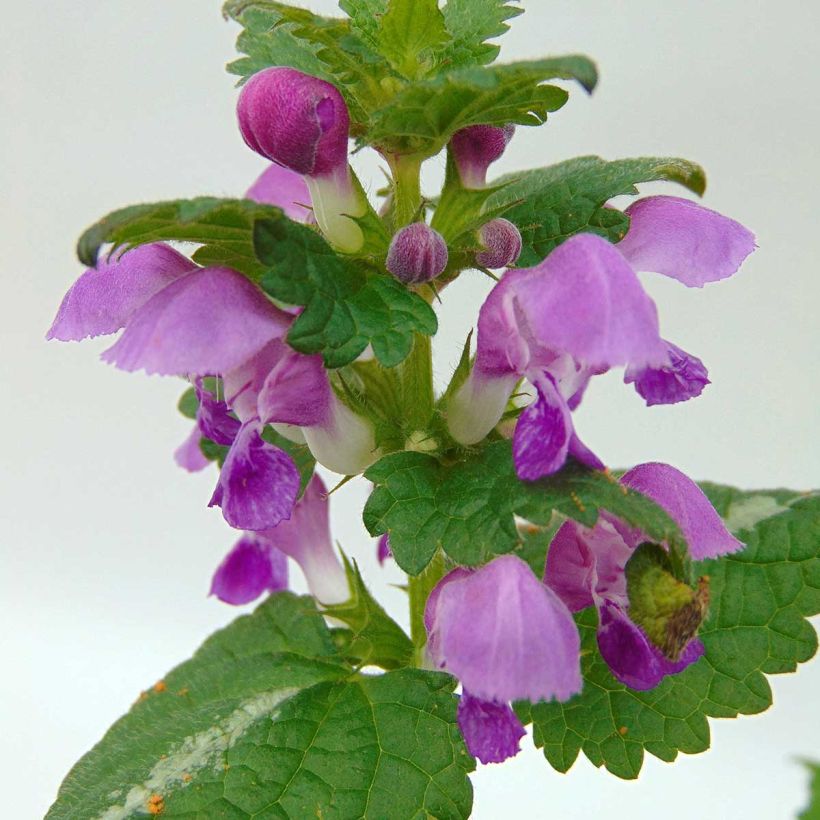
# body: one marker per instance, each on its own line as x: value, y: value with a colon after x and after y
x: 467, y: 509
x: 410, y: 32
x: 425, y: 114
x: 222, y: 227
x: 558, y: 201
x: 345, y: 308
x: 761, y: 598
x: 181, y: 732
x: 471, y: 23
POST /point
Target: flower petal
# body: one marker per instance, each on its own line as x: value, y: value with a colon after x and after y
x: 583, y: 300
x: 285, y: 189
x: 296, y: 390
x: 212, y: 416
x: 702, y: 527
x: 684, y: 240
x: 258, y: 483
x: 249, y: 569
x: 383, y: 551
x: 209, y: 321
x: 305, y: 537
x: 633, y: 659
x: 491, y: 730
x: 103, y: 298
x: 504, y: 634
x: 189, y: 455
x: 683, y: 378
x: 543, y: 433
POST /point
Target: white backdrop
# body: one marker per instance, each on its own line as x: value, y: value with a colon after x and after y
x: 108, y: 547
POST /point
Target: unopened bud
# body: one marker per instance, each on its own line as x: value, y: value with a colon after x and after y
x: 294, y: 119
x: 475, y: 148
x: 417, y: 254
x: 502, y: 244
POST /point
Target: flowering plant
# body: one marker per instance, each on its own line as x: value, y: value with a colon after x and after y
x: 611, y: 612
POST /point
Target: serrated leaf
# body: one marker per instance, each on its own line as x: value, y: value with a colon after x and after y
x: 365, y: 17
x: 344, y: 59
x: 222, y: 227
x: 182, y: 731
x: 467, y: 509
x: 558, y: 201
x: 761, y: 598
x: 471, y: 23
x: 345, y: 308
x: 372, y: 636
x: 425, y: 114
x: 410, y: 31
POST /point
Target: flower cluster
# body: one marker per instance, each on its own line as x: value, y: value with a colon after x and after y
x: 506, y: 632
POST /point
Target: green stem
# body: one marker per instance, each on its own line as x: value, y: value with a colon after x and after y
x: 416, y: 375
x: 406, y: 189
x: 419, y: 588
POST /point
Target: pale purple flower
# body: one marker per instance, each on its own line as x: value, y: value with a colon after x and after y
x: 583, y: 311
x: 417, y: 254
x: 302, y: 123
x: 257, y: 562
x: 475, y: 148
x: 503, y: 633
x: 501, y: 241
x: 586, y: 566
x: 491, y: 730
x: 285, y: 189
x: 383, y: 551
x: 189, y: 454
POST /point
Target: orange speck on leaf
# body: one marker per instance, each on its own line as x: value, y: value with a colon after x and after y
x: 160, y: 686
x: 156, y: 804
x: 186, y: 778
x: 622, y: 731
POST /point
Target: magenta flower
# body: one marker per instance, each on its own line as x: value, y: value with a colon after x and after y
x: 383, y: 551
x: 285, y: 189
x: 475, y: 148
x: 491, y: 730
x: 506, y: 636
x: 586, y: 566
x: 581, y: 312
x: 257, y: 563
x: 417, y: 254
x: 302, y: 123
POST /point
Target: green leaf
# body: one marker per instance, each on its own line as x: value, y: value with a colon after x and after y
x: 373, y: 637
x: 761, y: 598
x: 471, y: 23
x: 343, y: 58
x: 467, y: 508
x: 365, y: 17
x: 558, y: 201
x: 425, y: 114
x: 812, y: 810
x: 345, y: 308
x: 223, y: 228
x: 266, y: 43
x: 180, y: 734
x: 188, y: 403
x: 410, y: 32
x: 265, y: 720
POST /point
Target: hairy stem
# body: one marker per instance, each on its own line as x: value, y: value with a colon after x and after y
x: 406, y: 189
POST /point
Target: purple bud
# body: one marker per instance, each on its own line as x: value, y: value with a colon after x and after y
x: 294, y: 119
x: 417, y: 254
x: 502, y: 243
x: 475, y: 148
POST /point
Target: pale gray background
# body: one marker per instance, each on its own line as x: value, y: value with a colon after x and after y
x: 108, y: 547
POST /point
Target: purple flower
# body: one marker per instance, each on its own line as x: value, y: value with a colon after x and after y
x: 502, y: 244
x: 491, y: 730
x: 503, y: 633
x: 417, y: 254
x: 475, y: 148
x: 285, y: 189
x: 251, y: 568
x: 257, y: 562
x: 383, y: 551
x: 587, y: 566
x: 583, y: 311
x: 189, y: 455
x: 302, y: 123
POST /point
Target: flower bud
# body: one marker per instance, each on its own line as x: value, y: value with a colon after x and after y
x: 502, y: 243
x: 294, y: 119
x: 475, y: 148
x: 417, y: 254
x: 301, y: 122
